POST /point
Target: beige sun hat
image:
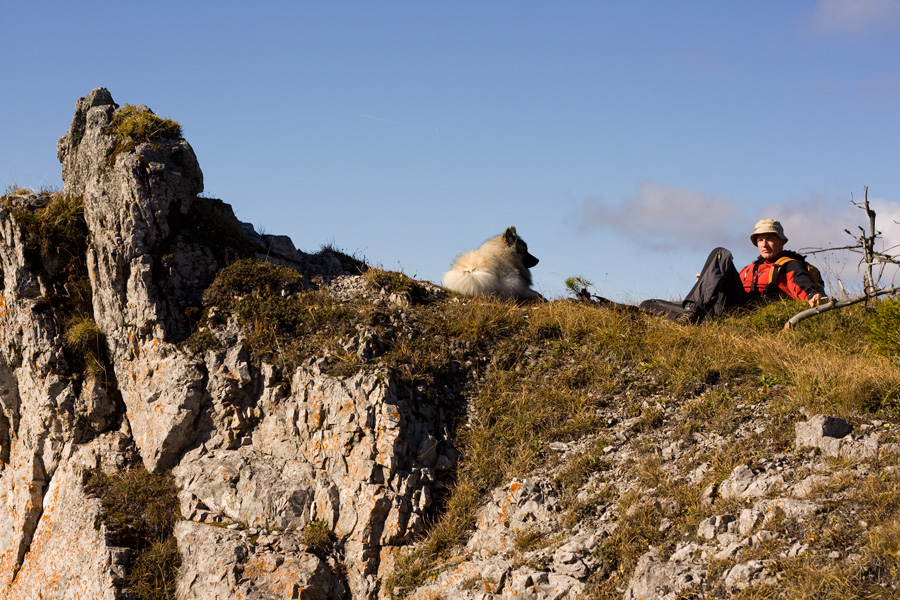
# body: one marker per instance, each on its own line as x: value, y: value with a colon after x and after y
x: 767, y: 226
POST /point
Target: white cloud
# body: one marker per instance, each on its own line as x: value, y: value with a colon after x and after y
x: 855, y: 17
x: 684, y: 222
x: 664, y: 218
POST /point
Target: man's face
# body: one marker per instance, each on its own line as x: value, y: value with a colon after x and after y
x: 770, y: 245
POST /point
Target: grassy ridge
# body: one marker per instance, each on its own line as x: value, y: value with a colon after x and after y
x: 538, y: 373
x: 558, y: 369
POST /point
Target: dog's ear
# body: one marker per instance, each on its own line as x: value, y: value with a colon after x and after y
x: 510, y: 236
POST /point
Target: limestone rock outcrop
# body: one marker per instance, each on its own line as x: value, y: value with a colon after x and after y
x: 258, y: 454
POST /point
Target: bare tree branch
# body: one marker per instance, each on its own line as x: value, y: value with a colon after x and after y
x: 835, y: 304
x: 870, y: 261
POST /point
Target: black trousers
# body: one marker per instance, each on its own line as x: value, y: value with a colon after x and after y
x: 718, y: 287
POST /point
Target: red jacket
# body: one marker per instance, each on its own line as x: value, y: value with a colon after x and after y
x: 790, y: 278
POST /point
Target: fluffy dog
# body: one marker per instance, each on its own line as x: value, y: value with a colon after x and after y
x: 498, y: 268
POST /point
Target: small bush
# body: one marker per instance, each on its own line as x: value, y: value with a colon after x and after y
x: 578, y: 287
x: 318, y: 536
x: 248, y: 276
x: 202, y: 340
x: 884, y: 329
x: 132, y: 126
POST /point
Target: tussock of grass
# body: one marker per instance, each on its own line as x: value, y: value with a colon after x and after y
x: 84, y: 335
x: 390, y: 281
x: 85, y: 338
x: 133, y: 125
x: 318, y: 537
x: 140, y: 510
x: 284, y: 323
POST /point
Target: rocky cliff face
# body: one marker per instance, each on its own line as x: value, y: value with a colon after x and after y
x: 253, y: 449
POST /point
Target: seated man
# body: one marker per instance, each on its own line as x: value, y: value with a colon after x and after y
x: 777, y: 272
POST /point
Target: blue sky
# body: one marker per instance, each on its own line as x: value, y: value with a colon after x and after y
x: 624, y: 140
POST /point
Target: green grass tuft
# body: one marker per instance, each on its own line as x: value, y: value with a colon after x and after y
x: 132, y: 126
x: 318, y: 537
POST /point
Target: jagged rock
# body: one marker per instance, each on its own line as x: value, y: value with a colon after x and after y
x: 37, y: 400
x: 831, y: 435
x: 275, y: 451
x: 823, y: 432
x: 750, y: 573
x: 743, y: 483
x: 67, y: 550
x: 748, y: 520
x: 713, y: 526
x: 656, y: 579
x: 334, y: 450
x: 128, y: 200
x: 733, y: 550
x: 822, y: 426
x: 804, y: 488
x: 219, y: 563
x: 523, y: 506
x: 792, y: 508
x: 541, y: 585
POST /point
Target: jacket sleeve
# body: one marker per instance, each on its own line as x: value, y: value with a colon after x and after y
x: 797, y: 283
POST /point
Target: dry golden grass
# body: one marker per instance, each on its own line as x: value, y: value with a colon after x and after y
x: 554, y: 368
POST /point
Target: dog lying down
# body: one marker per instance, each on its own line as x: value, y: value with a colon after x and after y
x: 500, y: 267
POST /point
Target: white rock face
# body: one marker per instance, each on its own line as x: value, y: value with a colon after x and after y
x: 42, y: 507
x: 128, y: 199
x: 251, y: 448
x: 219, y: 563
x: 662, y: 580
x: 68, y: 553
